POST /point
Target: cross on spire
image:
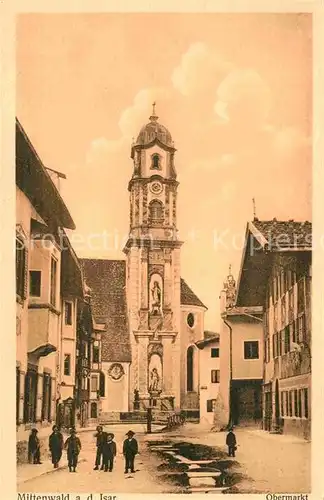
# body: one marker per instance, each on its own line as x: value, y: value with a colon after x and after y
x: 230, y: 269
x: 153, y: 117
x: 153, y: 106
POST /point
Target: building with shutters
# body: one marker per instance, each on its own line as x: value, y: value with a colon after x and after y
x: 276, y: 275
x: 209, y: 375
x: 48, y: 285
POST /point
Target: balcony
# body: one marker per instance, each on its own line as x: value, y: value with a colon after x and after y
x: 43, y: 329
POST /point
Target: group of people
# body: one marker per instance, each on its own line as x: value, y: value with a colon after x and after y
x: 105, y: 455
x: 106, y: 450
x: 56, y: 446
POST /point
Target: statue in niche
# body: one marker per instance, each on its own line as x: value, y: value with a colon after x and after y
x: 156, y: 298
x: 154, y: 381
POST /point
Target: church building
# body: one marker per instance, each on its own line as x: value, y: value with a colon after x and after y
x: 151, y: 319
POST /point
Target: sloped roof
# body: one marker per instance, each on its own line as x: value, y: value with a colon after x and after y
x: 282, y: 235
x: 107, y: 279
x: 188, y: 297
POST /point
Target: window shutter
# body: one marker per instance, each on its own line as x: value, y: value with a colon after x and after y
x: 25, y: 287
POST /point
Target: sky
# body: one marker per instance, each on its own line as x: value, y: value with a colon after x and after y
x: 234, y: 90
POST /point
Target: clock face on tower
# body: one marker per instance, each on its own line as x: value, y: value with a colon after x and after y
x: 156, y: 187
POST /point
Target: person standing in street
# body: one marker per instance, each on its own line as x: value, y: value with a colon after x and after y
x: 231, y: 443
x: 101, y: 438
x: 34, y: 448
x: 109, y: 452
x: 56, y: 444
x: 73, y: 447
x: 130, y: 450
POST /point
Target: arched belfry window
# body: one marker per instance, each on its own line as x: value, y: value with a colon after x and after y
x: 156, y: 210
x: 156, y: 164
x: 190, y: 367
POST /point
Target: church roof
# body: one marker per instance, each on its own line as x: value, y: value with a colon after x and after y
x: 107, y: 279
x: 154, y: 130
x: 188, y: 297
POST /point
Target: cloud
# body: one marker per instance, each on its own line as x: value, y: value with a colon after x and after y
x: 200, y: 68
x: 131, y: 119
x: 243, y: 97
x: 101, y: 147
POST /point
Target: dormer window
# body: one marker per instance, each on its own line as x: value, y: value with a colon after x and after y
x: 156, y: 163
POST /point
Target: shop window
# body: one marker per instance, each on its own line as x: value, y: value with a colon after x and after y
x: 17, y: 395
x: 35, y: 283
x: 306, y: 412
x: 295, y: 403
x: 30, y: 398
x: 251, y: 349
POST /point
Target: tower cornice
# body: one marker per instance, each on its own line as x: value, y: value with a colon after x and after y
x: 151, y: 244
x: 155, y: 177
x: 138, y: 147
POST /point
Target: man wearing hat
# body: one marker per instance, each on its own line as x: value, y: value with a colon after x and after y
x: 73, y: 447
x: 101, y: 439
x: 109, y: 452
x: 34, y: 448
x: 130, y: 449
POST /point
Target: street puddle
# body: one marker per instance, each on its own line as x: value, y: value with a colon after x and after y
x: 195, y: 468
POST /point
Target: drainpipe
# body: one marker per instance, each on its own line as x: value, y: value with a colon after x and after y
x: 230, y: 417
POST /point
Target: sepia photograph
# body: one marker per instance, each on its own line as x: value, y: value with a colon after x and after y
x: 163, y: 253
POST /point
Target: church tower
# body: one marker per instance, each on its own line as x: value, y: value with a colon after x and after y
x: 153, y: 266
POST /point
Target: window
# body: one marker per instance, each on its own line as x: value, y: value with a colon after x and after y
x: 301, y: 295
x: 21, y: 269
x: 156, y: 210
x: 214, y: 352
x: 215, y: 376
x: 67, y: 364
x: 190, y: 354
x: 210, y: 405
x: 287, y: 403
x: 46, y: 402
x: 274, y: 346
x: 30, y: 399
x: 94, y: 383
x: 306, y: 402
x: 300, y: 411
x: 251, y: 349
x: 35, y: 283
x: 190, y: 320
x: 287, y: 339
x: 68, y: 313
x: 102, y: 384
x: 282, y: 404
x: 295, y: 403
x: 290, y: 410
x: 301, y: 328
x: 156, y: 162
x: 95, y: 354
x: 53, y: 281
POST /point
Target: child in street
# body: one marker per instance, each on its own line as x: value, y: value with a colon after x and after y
x: 231, y: 443
x: 109, y: 453
x: 73, y: 447
x: 34, y: 448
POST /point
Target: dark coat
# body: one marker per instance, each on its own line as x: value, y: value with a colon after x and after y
x: 101, y: 439
x: 73, y: 445
x: 110, y: 449
x: 56, y: 442
x: 130, y: 447
x: 231, y: 439
x: 33, y: 443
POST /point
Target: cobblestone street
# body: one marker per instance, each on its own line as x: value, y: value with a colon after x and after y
x: 264, y: 463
